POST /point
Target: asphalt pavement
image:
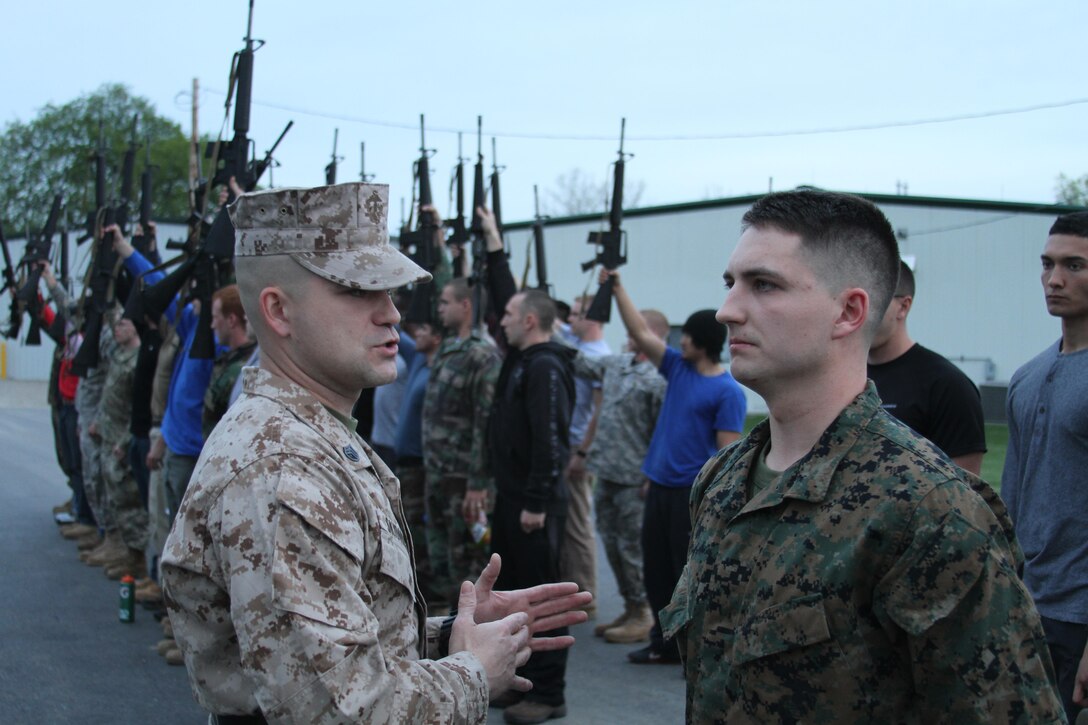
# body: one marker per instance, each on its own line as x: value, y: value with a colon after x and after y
x: 65, y: 657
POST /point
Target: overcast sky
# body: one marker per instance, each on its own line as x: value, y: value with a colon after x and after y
x: 549, y: 76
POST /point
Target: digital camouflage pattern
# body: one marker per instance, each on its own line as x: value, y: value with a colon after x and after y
x: 631, y: 396
x: 619, y: 508
x: 122, y: 495
x: 867, y: 584
x: 338, y: 232
x: 456, y: 408
x: 227, y: 368
x: 289, y: 579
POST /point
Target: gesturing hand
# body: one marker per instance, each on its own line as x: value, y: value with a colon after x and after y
x: 548, y: 606
x: 501, y: 646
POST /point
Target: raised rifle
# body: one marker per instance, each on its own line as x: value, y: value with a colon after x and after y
x: 363, y: 176
x: 142, y: 241
x: 459, y: 235
x: 233, y: 158
x: 538, y: 246
x: 101, y: 284
x: 611, y: 245
x: 37, y: 250
x: 478, y: 280
x: 210, y: 250
x: 421, y: 307
x: 330, y: 170
x: 16, y: 318
x: 496, y: 200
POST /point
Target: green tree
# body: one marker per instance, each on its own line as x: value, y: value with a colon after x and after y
x: 1072, y: 191
x: 52, y: 154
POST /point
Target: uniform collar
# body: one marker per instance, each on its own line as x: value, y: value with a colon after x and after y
x: 809, y: 478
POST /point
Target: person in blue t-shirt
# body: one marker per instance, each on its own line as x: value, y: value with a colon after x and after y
x: 703, y: 411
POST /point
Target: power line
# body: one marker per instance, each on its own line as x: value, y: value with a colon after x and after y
x: 676, y: 137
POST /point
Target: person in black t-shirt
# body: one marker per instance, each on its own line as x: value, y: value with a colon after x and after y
x: 922, y: 388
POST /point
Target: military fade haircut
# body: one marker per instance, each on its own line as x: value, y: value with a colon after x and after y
x: 905, y: 286
x: 539, y: 304
x: 1074, y: 224
x: 460, y: 288
x: 848, y: 239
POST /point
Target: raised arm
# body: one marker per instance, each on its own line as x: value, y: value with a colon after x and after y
x: 652, y: 346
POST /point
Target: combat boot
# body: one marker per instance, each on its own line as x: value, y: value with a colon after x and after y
x: 635, y: 629
x: 65, y: 507
x: 132, y: 562
x: 151, y: 593
x: 165, y: 645
x: 77, y: 531
x: 89, y: 542
x: 600, y: 629
x: 173, y: 657
x: 111, y: 548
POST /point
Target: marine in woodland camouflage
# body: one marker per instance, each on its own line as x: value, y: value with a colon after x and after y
x: 289, y: 576
x: 456, y: 407
x: 337, y: 232
x: 631, y: 396
x: 868, y: 584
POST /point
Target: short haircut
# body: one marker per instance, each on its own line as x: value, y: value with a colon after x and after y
x: 905, y: 287
x: 848, y: 239
x: 1075, y: 224
x: 540, y: 304
x: 706, y: 333
x: 256, y: 273
x: 659, y: 324
x: 460, y: 289
x: 230, y: 302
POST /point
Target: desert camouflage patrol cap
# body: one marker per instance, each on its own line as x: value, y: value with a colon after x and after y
x: 338, y: 232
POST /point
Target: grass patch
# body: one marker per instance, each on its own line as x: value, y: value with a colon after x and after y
x: 997, y: 443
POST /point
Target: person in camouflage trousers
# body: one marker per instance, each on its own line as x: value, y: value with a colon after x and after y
x: 112, y: 425
x: 841, y: 568
x: 456, y: 406
x: 631, y: 396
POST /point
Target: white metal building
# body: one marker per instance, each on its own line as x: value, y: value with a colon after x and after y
x: 979, y: 300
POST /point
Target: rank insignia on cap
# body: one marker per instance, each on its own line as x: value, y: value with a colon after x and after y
x: 351, y: 454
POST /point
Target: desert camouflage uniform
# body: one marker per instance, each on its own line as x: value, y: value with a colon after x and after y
x: 114, y: 416
x: 289, y: 576
x: 456, y: 407
x: 88, y: 400
x: 868, y: 583
x: 631, y: 397
x: 217, y: 397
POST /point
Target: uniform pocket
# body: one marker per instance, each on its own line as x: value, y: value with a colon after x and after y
x: 791, y: 625
x: 396, y: 562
